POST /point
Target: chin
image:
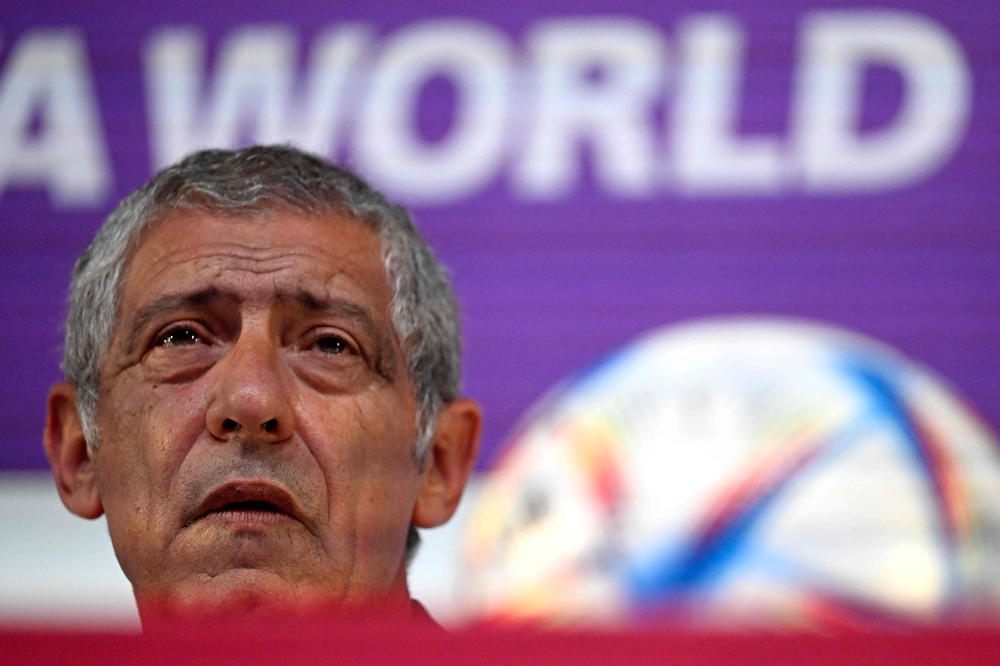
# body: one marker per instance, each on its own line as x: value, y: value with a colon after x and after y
x: 248, y: 593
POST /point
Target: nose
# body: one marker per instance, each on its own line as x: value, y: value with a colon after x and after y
x: 251, y: 395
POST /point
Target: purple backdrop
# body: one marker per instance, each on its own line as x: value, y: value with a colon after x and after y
x: 550, y: 285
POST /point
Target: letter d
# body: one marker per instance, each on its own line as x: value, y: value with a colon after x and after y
x: 836, y: 48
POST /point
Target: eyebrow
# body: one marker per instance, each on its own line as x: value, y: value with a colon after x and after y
x: 165, y: 304
x: 384, y: 358
x: 336, y: 307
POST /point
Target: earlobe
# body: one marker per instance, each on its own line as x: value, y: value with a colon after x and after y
x: 451, y: 457
x: 66, y: 449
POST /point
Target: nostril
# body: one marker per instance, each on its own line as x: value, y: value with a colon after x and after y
x: 270, y: 426
x: 229, y: 425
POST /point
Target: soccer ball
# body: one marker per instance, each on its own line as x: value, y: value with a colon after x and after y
x: 734, y: 472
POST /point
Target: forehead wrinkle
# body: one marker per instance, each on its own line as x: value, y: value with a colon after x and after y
x: 254, y: 280
x: 251, y: 255
x: 272, y: 262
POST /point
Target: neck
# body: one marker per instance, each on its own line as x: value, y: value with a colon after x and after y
x: 255, y: 608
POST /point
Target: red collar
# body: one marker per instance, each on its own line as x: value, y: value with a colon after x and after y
x: 419, y: 617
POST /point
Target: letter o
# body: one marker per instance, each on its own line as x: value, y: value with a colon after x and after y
x: 477, y: 59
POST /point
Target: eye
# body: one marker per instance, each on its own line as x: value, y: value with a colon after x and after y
x: 332, y: 344
x: 180, y: 337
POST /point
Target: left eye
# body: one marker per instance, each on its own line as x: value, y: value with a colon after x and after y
x: 332, y: 345
x: 180, y: 337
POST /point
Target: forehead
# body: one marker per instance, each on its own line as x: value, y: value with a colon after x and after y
x: 256, y: 259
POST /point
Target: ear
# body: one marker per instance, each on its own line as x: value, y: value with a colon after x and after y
x: 66, y: 449
x: 449, y: 463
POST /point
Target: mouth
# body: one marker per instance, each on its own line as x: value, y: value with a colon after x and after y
x: 248, y: 503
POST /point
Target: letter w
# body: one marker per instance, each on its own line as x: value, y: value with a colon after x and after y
x: 254, y: 97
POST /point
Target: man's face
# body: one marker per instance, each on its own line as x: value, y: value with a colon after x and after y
x: 257, y: 421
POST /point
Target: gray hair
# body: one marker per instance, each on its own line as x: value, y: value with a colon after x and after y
x: 248, y: 183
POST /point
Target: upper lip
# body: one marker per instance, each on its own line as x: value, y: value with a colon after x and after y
x: 248, y: 491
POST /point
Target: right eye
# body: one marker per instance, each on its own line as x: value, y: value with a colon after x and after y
x: 179, y: 337
x: 332, y: 344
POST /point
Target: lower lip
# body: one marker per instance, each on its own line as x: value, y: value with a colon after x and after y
x: 249, y: 517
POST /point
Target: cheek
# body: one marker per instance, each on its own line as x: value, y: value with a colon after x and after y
x: 371, y: 431
x: 364, y: 445
x: 146, y: 431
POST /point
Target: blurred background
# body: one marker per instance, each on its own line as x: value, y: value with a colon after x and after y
x: 730, y: 276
